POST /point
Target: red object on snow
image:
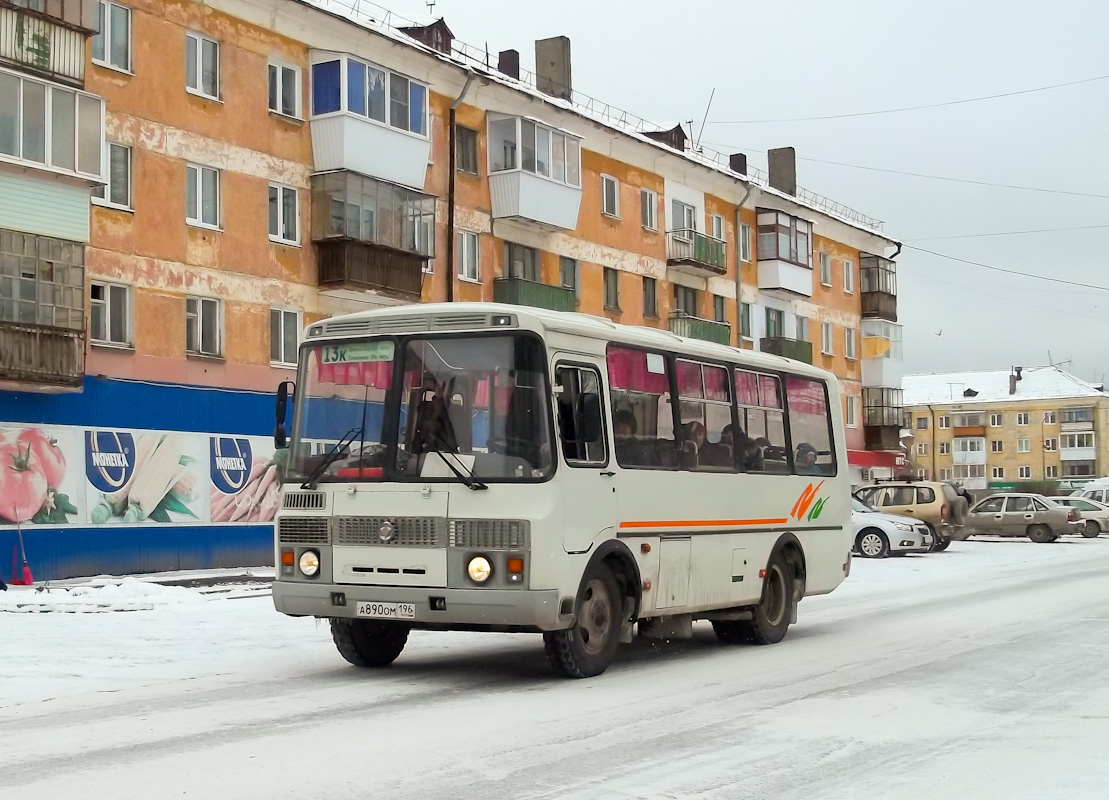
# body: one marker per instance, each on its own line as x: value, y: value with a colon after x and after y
x: 27, y: 578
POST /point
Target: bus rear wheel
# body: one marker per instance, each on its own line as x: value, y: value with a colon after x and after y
x: 369, y: 643
x: 770, y: 618
x: 587, y: 647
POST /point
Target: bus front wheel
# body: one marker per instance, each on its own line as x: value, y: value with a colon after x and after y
x: 369, y: 643
x: 586, y: 648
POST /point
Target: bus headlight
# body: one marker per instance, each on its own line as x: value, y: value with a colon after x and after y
x: 309, y: 563
x: 479, y: 569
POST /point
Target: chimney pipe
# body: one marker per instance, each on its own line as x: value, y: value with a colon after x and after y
x: 1012, y: 383
x: 783, y: 169
x: 737, y: 163
x: 552, y: 67
x: 508, y: 63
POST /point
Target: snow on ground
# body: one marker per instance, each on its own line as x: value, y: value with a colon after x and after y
x: 975, y: 673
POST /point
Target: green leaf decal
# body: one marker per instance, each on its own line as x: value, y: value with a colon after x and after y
x: 159, y: 514
x: 187, y: 461
x: 171, y: 502
x: 816, y: 509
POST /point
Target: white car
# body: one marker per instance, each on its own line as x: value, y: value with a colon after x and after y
x: 877, y: 535
x: 1095, y: 515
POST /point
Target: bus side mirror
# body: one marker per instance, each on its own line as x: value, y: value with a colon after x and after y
x: 590, y: 418
x: 280, y: 437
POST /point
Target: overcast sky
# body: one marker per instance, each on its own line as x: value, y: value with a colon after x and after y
x: 769, y: 61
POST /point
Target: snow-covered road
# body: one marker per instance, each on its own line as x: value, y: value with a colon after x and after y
x: 977, y: 673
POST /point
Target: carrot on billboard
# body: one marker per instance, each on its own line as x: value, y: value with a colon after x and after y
x: 246, y: 479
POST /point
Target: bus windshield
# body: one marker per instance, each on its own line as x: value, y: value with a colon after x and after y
x: 423, y: 408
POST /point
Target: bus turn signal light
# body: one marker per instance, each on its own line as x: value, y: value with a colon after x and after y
x: 516, y: 565
x: 287, y: 558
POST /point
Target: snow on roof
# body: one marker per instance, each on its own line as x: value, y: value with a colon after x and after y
x: 992, y: 386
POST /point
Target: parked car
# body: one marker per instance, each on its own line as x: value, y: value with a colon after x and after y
x: 1039, y: 518
x: 1096, y: 491
x: 1095, y: 515
x: 938, y: 505
x: 877, y: 535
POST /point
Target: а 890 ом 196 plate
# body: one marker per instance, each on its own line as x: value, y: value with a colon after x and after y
x: 386, y: 610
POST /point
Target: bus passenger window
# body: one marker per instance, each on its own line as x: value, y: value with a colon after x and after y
x: 706, y: 438
x: 761, y: 438
x: 580, y: 424
x: 642, y: 415
x: 810, y: 426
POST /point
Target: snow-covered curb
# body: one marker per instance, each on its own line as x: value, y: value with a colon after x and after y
x: 127, y: 594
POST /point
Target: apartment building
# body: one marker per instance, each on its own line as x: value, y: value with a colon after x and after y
x: 1002, y: 429
x: 266, y: 163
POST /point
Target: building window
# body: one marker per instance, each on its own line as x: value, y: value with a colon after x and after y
x: 1077, y: 415
x: 943, y: 422
x: 284, y: 332
x: 922, y: 474
x: 945, y: 474
x: 745, y: 320
x: 995, y: 420
x: 1049, y: 418
x: 284, y: 214
x: 849, y: 343
x: 719, y: 313
x: 202, y: 65
x: 1023, y: 445
x: 784, y: 237
x: 42, y: 280
x: 967, y: 471
x: 648, y: 209
x: 650, y: 298
x: 1079, y: 469
x: 112, y: 46
x: 922, y: 449
x: 851, y: 414
x: 612, y: 289
x: 568, y: 273
x: 848, y: 276
x: 1070, y: 441
x: 521, y: 262
x: 969, y: 421
x: 998, y: 473
x: 685, y: 300
x: 826, y: 345
x: 204, y: 326
x: 963, y: 445
x: 465, y: 150
x: 745, y: 242
x: 826, y: 269
x: 467, y: 256
x: 1025, y: 472
x: 542, y: 151
x: 684, y: 220
x: 371, y: 92
x: 1022, y: 418
x: 117, y: 192
x: 357, y: 207
x: 775, y: 323
x: 996, y: 446
x: 1051, y: 471
x: 285, y: 90
x: 802, y: 329
x: 50, y: 125
x: 610, y: 196
x: 1051, y: 445
x: 945, y: 448
x: 202, y: 196
x: 407, y: 104
x: 716, y: 227
x: 922, y: 423
x: 110, y: 314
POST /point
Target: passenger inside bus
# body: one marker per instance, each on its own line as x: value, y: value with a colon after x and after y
x: 805, y: 460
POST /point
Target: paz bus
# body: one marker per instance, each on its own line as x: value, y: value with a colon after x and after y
x: 487, y: 467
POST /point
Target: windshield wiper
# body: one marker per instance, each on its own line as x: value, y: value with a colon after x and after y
x: 332, y: 455
x: 470, y: 480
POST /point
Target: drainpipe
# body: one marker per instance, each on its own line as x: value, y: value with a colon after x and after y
x: 739, y: 268
x: 449, y: 268
x: 895, y: 255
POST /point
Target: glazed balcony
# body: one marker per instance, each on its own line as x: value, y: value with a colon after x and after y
x: 522, y: 292
x: 878, y: 283
x: 696, y: 328
x: 883, y: 409
x: 534, y: 172
x: 788, y: 348
x: 696, y: 253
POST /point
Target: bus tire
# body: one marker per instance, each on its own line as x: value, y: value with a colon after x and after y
x: 773, y: 613
x: 369, y: 643
x: 587, y: 647
x: 730, y: 631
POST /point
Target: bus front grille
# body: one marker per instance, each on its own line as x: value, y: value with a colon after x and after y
x: 303, y: 530
x: 303, y: 501
x: 490, y: 534
x: 398, y: 531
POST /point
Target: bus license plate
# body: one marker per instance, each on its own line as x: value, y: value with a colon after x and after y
x: 386, y: 610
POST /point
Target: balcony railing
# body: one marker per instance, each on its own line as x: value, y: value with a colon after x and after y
x: 695, y: 252
x: 362, y: 266
x: 696, y: 328
x: 522, y: 292
x: 796, y: 349
x: 80, y: 15
x: 41, y: 354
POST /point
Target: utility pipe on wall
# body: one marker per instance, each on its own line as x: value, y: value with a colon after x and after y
x: 739, y: 268
x: 451, y: 144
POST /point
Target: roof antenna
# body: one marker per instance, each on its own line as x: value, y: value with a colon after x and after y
x: 431, y: 7
x: 697, y: 144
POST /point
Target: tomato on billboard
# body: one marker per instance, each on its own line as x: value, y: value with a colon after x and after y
x: 36, y: 486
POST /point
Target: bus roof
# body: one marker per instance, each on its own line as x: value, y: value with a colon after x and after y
x: 461, y: 317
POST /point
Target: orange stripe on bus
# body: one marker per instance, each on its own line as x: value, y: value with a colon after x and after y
x: 700, y: 523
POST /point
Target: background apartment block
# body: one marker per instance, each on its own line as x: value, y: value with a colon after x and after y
x: 265, y: 163
x: 1005, y: 428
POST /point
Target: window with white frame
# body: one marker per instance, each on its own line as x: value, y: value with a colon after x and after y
x: 46, y: 124
x: 285, y: 86
x: 745, y: 242
x: 1025, y: 473
x: 284, y: 214
x: 849, y: 343
x: 1051, y: 471
x: 518, y: 143
x: 826, y: 269
x: 1023, y: 445
x: 970, y: 445
x: 995, y: 420
x: 648, y: 209
x: 366, y: 90
x: 204, y: 326
x: 202, y: 65
x: 998, y: 472
x: 996, y: 446
x: 684, y: 220
x: 1022, y: 418
x: 716, y: 227
x: 775, y: 323
x: 284, y: 332
x: 467, y: 249
x: 967, y: 471
x: 848, y: 276
x: 945, y: 474
x: 116, y: 193
x: 826, y: 333
x: 802, y: 328
x: 110, y: 314
x: 945, y: 448
x: 1051, y: 445
x: 202, y: 201
x: 111, y: 47
x: 922, y: 474
x: 922, y: 449
x: 850, y: 414
x: 1049, y: 417
x: 1070, y: 441
x: 784, y: 237
x: 943, y: 422
x: 1077, y: 414
x: 610, y: 196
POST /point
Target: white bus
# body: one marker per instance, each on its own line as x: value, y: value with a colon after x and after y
x: 502, y: 468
